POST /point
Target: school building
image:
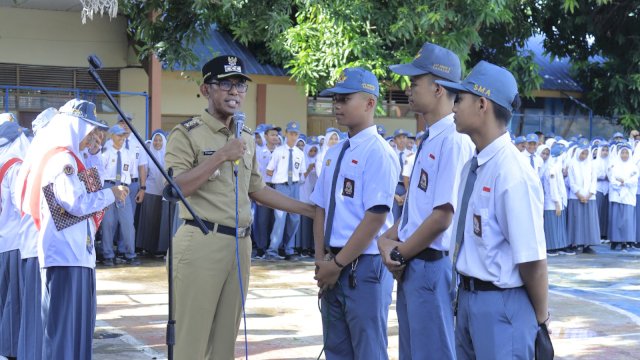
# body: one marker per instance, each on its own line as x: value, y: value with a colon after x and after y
x: 43, y: 63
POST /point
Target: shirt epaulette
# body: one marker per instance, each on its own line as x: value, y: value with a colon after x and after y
x: 247, y: 130
x: 192, y: 123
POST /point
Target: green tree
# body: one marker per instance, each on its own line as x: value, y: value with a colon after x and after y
x: 315, y: 40
x: 602, y: 39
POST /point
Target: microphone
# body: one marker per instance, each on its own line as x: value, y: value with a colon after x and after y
x: 238, y: 118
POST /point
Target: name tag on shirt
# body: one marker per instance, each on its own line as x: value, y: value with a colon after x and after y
x: 424, y: 180
x: 208, y: 152
x: 348, y: 188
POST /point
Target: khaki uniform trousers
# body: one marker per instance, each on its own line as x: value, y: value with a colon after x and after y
x: 207, y: 302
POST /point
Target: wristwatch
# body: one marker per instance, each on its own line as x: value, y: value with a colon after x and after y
x: 143, y: 187
x: 396, y: 256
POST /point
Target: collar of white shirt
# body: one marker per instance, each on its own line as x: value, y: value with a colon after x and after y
x: 487, y: 153
x: 363, y: 136
x: 440, y: 125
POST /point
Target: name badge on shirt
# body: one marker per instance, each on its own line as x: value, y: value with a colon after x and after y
x: 126, y: 167
x: 477, y: 225
x: 424, y: 180
x: 137, y: 155
x: 208, y: 152
x: 297, y: 165
x: 348, y: 187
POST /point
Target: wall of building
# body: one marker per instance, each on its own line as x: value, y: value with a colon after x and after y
x: 286, y: 103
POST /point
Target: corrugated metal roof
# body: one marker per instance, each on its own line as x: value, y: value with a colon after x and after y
x: 221, y: 43
x: 554, y: 73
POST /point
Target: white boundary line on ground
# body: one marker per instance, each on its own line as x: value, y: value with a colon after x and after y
x: 132, y: 341
x: 633, y: 317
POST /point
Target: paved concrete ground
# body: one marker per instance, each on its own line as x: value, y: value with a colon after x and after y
x: 594, y: 301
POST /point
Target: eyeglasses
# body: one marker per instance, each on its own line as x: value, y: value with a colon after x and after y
x: 341, y: 99
x: 226, y: 85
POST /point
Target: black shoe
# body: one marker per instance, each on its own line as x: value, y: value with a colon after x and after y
x: 292, y: 257
x: 588, y: 250
x: 636, y: 245
x: 107, y: 262
x: 133, y: 261
x: 614, y: 245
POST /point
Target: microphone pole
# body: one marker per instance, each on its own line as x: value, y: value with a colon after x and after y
x: 94, y: 64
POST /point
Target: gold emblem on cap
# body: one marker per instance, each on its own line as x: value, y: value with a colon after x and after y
x: 342, y: 77
x: 232, y: 60
x: 418, y: 54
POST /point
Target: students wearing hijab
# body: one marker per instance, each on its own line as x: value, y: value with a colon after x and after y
x: 555, y: 200
x: 30, y: 337
x: 153, y: 226
x: 13, y: 146
x: 66, y: 255
x: 331, y: 138
x: 600, y: 166
x: 583, y: 231
x: 622, y: 198
x: 305, y: 235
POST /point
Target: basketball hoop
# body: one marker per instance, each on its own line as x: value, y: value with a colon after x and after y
x: 90, y: 7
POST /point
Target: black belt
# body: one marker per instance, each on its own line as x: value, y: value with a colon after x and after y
x: 430, y: 254
x: 134, y: 180
x: 472, y: 284
x: 114, y: 183
x: 222, y: 229
x: 335, y: 250
x: 271, y: 185
x: 286, y: 183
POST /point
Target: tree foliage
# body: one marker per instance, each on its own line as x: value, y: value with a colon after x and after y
x: 315, y: 40
x: 602, y: 38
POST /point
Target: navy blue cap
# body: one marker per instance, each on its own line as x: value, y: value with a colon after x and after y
x: 259, y: 128
x: 222, y: 67
x: 624, y: 145
x: 617, y: 134
x: 489, y: 81
x: 410, y: 135
x: 43, y: 119
x: 532, y: 138
x: 9, y: 131
x: 381, y: 130
x: 82, y: 109
x: 302, y: 137
x: 332, y: 129
x: 354, y: 80
x: 557, y: 149
x: 520, y: 140
x: 432, y: 59
x: 267, y: 127
x: 400, y: 132
x: 293, y: 126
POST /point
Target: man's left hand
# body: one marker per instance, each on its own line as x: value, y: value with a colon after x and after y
x: 327, y: 274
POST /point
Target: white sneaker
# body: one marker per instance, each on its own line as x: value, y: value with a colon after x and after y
x: 566, y: 252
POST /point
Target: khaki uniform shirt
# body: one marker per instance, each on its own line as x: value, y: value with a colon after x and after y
x: 196, y: 140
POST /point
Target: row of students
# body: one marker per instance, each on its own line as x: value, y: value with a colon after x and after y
x: 453, y: 192
x: 45, y: 195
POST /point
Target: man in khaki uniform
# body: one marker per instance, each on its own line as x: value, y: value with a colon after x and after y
x: 202, y: 152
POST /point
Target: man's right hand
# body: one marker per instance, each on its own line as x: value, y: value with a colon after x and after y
x: 120, y: 192
x: 233, y: 150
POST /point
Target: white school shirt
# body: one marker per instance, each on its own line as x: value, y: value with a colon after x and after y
x: 68, y: 247
x: 370, y: 171
x: 537, y: 161
x: 435, y: 179
x: 279, y: 163
x: 624, y: 193
x: 405, y: 154
x: 138, y: 154
x: 582, y: 179
x: 110, y: 160
x: 503, y: 225
x: 408, y: 164
x: 263, y: 156
x: 9, y: 210
x: 553, y: 185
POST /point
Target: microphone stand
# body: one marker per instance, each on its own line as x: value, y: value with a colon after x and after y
x: 94, y: 64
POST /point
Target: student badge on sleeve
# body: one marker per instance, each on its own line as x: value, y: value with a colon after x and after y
x: 348, y: 187
x: 68, y: 170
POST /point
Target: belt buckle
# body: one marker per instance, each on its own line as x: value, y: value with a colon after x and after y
x: 242, y: 232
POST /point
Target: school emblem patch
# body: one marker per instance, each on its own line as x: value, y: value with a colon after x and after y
x: 297, y: 165
x: 424, y: 180
x: 126, y: 167
x: 477, y: 225
x: 348, y: 187
x: 68, y: 170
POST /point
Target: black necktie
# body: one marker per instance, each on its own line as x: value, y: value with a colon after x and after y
x: 332, y: 200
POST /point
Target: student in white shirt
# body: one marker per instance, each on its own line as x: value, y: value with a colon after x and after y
x: 286, y: 168
x: 354, y: 195
x: 499, y: 250
x: 415, y: 249
x: 400, y: 137
x: 118, y: 162
x: 601, y: 167
x: 263, y: 219
x: 530, y: 153
x: 67, y: 256
x: 622, y: 197
x: 582, y: 228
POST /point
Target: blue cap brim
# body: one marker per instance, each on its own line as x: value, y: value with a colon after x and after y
x: 452, y: 86
x: 407, y: 70
x: 337, y: 90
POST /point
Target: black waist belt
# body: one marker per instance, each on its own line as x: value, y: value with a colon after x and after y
x: 271, y: 185
x: 134, y: 180
x: 114, y: 183
x: 286, y: 183
x: 222, y: 229
x: 335, y: 250
x: 430, y: 254
x: 472, y: 284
